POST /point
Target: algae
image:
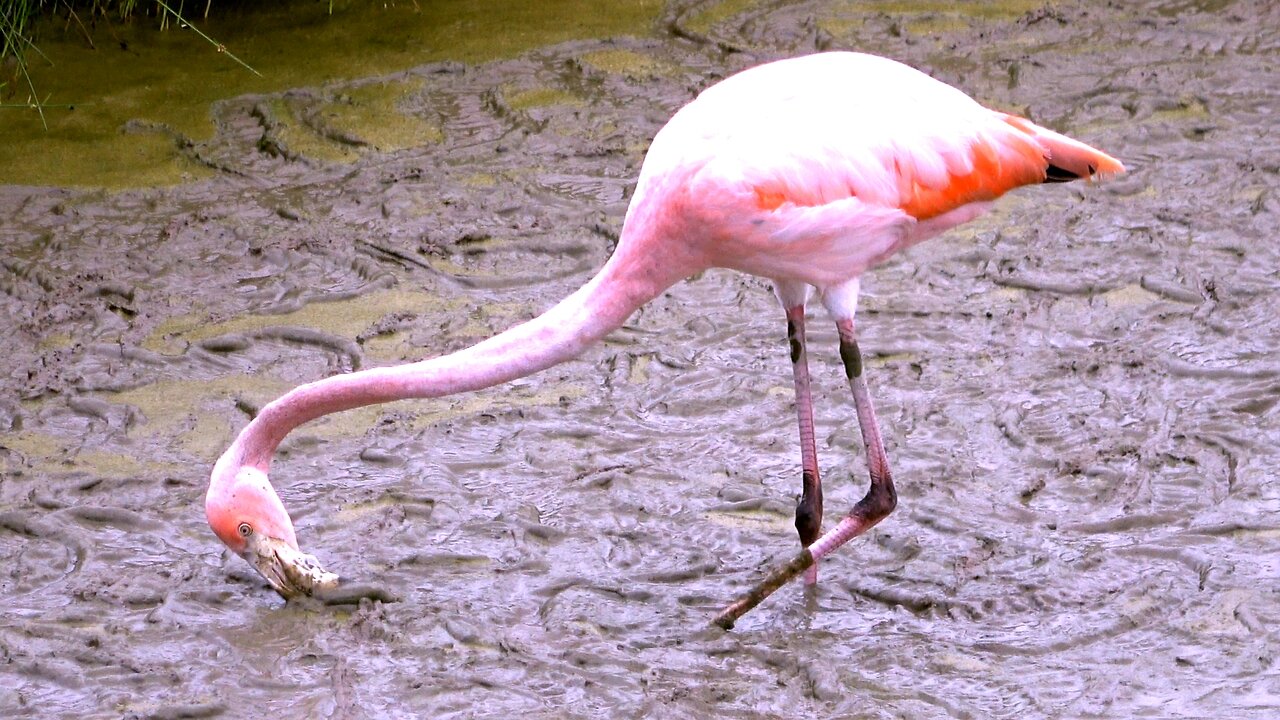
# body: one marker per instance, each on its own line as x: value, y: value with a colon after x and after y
x: 169, y: 80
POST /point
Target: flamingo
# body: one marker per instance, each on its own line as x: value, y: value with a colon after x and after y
x: 808, y: 172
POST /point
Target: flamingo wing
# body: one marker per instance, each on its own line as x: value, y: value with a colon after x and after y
x: 840, y: 158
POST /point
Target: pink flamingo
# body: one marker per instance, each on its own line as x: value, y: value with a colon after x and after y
x: 806, y: 171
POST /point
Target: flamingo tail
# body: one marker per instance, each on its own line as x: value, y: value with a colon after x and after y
x: 1068, y: 159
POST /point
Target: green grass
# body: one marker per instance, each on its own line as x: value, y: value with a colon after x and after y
x: 16, y: 43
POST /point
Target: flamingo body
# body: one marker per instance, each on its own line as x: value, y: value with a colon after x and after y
x: 807, y: 171
x: 817, y: 168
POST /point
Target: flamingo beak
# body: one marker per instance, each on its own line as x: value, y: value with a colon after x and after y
x: 291, y: 572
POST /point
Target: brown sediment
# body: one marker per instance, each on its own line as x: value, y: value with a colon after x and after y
x: 1077, y: 391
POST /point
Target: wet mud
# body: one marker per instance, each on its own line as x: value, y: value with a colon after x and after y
x: 1078, y: 394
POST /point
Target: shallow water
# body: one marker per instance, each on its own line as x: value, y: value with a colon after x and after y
x: 1078, y: 394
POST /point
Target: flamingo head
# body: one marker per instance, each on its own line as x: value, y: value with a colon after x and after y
x: 248, y: 517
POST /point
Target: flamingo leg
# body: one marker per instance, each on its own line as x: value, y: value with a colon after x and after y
x: 881, y: 497
x: 880, y: 500
x: 809, y: 507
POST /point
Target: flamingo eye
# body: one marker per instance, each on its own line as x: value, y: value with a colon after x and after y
x: 245, y: 529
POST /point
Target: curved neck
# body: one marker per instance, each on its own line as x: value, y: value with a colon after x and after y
x: 629, y: 279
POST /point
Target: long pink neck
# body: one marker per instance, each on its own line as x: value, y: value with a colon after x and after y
x: 631, y: 278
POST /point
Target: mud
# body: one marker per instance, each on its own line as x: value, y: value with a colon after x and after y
x: 1078, y: 393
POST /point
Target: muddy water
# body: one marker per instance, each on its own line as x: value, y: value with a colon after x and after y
x: 1078, y: 393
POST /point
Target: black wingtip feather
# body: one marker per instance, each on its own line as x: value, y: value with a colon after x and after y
x: 1055, y: 174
